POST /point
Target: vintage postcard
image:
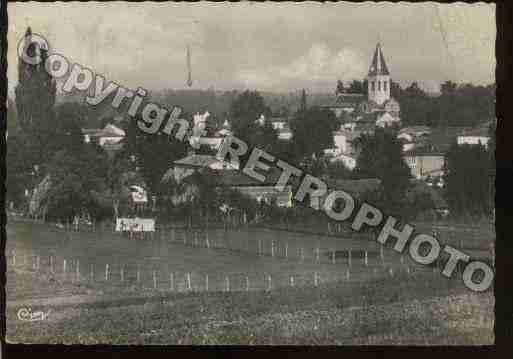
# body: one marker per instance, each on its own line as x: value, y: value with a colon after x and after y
x: 250, y: 173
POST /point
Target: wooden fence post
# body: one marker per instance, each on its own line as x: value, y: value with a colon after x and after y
x: 286, y: 249
x: 107, y: 272
x: 13, y: 257
x: 272, y: 248
x: 381, y: 255
x: 292, y: 281
x: 189, y: 285
x: 247, y: 284
x: 333, y: 260
x: 227, y: 281
x: 64, y: 267
x: 316, y: 280
x: 171, y: 281
x: 122, y: 273
x: 78, y: 270
x: 348, y: 274
x: 51, y: 264
x: 206, y: 282
x: 317, y: 254
x: 269, y: 282
x: 349, y: 257
x: 366, y: 260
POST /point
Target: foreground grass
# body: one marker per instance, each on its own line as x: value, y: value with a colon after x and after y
x: 401, y: 310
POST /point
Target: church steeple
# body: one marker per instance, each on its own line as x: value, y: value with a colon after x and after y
x: 378, y: 78
x: 378, y: 65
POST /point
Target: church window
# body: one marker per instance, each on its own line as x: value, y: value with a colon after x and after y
x: 372, y: 86
x: 379, y: 85
x: 385, y: 85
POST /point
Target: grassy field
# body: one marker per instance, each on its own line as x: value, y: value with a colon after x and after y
x: 402, y: 310
x: 166, y: 255
x: 372, y: 306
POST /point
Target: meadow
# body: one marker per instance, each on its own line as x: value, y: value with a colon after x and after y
x: 243, y: 286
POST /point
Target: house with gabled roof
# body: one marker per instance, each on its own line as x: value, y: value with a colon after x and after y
x: 108, y: 135
x: 476, y: 135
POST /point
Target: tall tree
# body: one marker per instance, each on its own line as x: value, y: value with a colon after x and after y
x: 467, y: 179
x: 357, y: 86
x: 245, y: 112
x: 313, y: 132
x: 448, y: 88
x: 36, y: 89
x: 303, y: 107
x: 154, y: 153
x: 340, y: 88
x: 381, y: 157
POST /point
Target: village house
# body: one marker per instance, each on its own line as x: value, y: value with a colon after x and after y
x: 225, y: 130
x: 186, y: 166
x: 278, y: 123
x: 265, y: 191
x: 412, y: 137
x: 424, y: 163
x: 474, y: 136
x: 185, y: 174
x: 138, y: 199
x: 349, y: 161
x: 109, y: 135
x: 212, y: 142
x: 346, y: 103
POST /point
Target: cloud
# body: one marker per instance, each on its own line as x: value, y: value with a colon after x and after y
x: 319, y: 65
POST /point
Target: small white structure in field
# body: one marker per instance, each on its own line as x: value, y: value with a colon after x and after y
x: 135, y: 224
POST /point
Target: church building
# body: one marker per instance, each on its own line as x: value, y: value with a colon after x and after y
x: 379, y: 100
x: 377, y: 105
x: 362, y: 113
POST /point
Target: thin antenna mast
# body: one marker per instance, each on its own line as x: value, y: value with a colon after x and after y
x: 189, y: 77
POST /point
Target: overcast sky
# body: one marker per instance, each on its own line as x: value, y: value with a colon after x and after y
x: 271, y: 46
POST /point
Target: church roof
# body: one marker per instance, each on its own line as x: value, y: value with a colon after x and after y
x: 378, y: 65
x: 349, y: 99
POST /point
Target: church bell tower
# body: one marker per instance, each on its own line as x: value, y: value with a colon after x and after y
x: 378, y: 78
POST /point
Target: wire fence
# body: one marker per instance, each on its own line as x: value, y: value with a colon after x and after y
x: 145, y: 275
x: 346, y: 263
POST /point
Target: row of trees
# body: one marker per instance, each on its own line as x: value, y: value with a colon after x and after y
x: 457, y: 104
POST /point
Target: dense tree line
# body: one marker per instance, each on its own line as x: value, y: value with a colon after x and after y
x: 469, y: 179
x: 381, y: 157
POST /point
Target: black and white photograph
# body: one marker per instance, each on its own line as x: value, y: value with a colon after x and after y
x: 250, y: 173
